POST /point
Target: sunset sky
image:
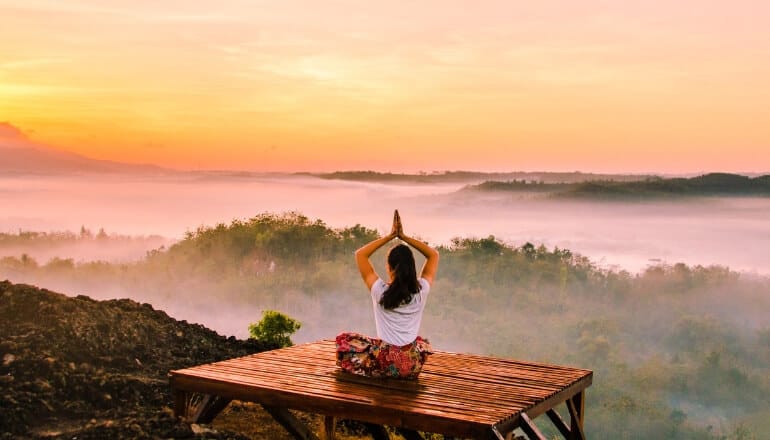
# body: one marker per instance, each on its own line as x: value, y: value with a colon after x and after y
x: 618, y: 86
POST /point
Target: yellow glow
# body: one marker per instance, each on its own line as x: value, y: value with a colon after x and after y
x: 395, y: 87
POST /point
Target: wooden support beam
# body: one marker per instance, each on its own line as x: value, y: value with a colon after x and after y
x: 180, y: 403
x: 529, y: 428
x: 329, y: 424
x: 208, y: 408
x: 296, y: 428
x: 198, y: 407
x: 496, y: 435
x: 576, y: 407
x: 558, y: 422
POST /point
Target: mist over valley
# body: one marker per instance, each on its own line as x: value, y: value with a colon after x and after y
x: 665, y: 300
x: 627, y: 235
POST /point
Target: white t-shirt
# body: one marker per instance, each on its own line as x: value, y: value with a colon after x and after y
x: 399, y: 326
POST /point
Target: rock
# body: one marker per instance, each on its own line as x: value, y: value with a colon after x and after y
x: 201, y: 429
x: 8, y: 358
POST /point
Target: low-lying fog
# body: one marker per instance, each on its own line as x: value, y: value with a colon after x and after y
x: 729, y: 231
x: 670, y: 344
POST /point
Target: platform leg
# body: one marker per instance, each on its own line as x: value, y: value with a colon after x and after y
x: 329, y: 425
x: 576, y: 407
x: 180, y: 404
x: 296, y: 428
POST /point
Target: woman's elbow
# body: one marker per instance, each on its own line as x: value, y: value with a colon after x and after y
x: 360, y: 257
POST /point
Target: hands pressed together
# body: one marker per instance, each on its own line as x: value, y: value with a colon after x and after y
x: 398, y: 229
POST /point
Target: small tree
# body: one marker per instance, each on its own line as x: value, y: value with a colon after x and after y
x: 275, y: 328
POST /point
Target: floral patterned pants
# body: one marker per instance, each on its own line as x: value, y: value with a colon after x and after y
x: 365, y: 356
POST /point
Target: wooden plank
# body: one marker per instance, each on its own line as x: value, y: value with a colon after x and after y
x: 483, y: 394
x: 460, y: 385
x: 479, y: 397
x: 392, y: 399
x: 479, y: 375
x: 296, y: 428
x: 326, y: 355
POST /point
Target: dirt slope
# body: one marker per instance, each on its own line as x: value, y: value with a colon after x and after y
x: 86, y: 369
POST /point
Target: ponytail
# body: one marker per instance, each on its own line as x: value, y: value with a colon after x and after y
x: 404, y: 284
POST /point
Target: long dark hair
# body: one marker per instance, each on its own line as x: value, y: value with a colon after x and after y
x: 404, y: 284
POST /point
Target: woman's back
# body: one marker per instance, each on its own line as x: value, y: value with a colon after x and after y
x: 400, y: 325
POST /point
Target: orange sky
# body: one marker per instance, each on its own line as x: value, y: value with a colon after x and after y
x: 398, y: 86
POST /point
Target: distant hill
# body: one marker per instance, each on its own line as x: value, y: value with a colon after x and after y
x: 40, y: 161
x: 20, y: 155
x: 474, y: 176
x: 713, y: 184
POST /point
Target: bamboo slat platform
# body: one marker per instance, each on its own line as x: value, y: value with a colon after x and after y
x: 461, y: 395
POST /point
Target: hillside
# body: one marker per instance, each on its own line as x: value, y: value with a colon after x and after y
x: 473, y: 176
x: 23, y: 156
x: 79, y: 368
x: 707, y: 185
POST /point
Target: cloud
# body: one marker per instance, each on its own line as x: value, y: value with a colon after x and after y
x: 32, y: 63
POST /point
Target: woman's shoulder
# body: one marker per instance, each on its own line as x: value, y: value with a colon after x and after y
x: 379, y: 287
x: 424, y: 285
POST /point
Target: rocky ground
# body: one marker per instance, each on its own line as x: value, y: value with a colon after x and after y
x: 76, y: 368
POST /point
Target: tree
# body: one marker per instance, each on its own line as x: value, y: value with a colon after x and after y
x: 275, y: 328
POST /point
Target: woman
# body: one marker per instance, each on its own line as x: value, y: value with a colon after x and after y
x: 398, y: 306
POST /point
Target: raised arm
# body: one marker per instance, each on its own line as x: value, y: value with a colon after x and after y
x: 430, y: 267
x: 362, y: 258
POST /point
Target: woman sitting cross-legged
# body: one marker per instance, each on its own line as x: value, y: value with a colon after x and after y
x: 398, y: 351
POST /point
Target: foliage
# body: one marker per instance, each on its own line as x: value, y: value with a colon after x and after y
x: 678, y: 351
x: 713, y: 184
x: 274, y: 328
x: 471, y: 176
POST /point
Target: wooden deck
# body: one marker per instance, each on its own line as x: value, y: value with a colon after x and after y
x: 461, y: 395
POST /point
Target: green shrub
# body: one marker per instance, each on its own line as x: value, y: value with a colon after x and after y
x: 275, y: 328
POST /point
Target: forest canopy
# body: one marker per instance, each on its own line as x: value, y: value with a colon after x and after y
x: 707, y: 185
x: 678, y: 351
